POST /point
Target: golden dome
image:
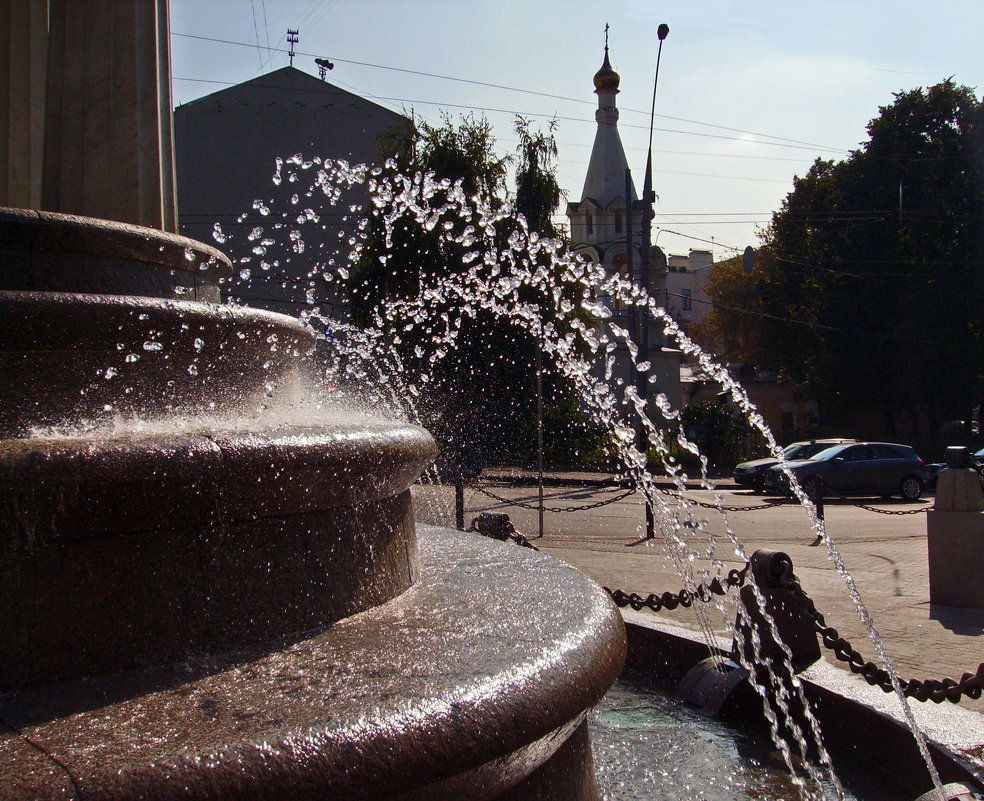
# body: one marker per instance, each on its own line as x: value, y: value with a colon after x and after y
x: 606, y: 78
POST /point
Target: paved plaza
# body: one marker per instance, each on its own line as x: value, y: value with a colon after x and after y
x: 882, y: 543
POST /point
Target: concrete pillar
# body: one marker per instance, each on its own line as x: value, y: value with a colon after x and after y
x: 108, y: 144
x: 23, y: 61
x: 955, y: 539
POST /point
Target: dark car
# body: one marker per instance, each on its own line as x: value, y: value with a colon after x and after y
x: 752, y: 474
x: 862, y: 468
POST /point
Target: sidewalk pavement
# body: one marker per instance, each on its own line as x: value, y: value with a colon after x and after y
x: 885, y: 553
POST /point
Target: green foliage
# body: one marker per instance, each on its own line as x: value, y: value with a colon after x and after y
x: 719, y: 430
x: 480, y: 393
x: 537, y: 192
x: 867, y: 290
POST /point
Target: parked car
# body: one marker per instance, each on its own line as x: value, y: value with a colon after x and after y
x: 752, y: 474
x: 861, y: 468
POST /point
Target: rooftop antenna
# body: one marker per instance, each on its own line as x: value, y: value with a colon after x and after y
x: 323, y: 66
x: 292, y: 38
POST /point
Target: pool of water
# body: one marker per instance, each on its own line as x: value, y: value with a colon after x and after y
x: 650, y: 747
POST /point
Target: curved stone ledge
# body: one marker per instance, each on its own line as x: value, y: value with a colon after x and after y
x: 69, y: 488
x: 45, y: 250
x: 472, y: 678
x: 69, y: 358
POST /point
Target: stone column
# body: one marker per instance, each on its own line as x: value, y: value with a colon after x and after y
x: 955, y: 538
x: 108, y: 147
x: 23, y: 61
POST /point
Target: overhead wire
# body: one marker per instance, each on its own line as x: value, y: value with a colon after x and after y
x: 457, y: 79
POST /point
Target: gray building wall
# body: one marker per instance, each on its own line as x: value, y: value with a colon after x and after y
x: 226, y: 146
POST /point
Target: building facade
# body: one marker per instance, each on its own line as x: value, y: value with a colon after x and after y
x: 685, y: 297
x: 226, y: 150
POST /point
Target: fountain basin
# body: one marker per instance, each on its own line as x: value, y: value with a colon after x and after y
x: 863, y: 728
x: 472, y: 682
x: 246, y: 609
x: 124, y: 550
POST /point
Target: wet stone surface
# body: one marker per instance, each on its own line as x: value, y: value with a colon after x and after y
x: 492, y: 657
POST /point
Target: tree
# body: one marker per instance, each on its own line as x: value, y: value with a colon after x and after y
x: 441, y: 212
x: 868, y: 287
x: 537, y: 192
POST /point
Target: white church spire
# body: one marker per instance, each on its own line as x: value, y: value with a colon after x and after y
x: 605, y: 179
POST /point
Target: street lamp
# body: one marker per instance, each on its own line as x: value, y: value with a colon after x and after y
x: 648, y: 199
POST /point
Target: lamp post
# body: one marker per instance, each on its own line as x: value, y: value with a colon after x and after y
x: 648, y: 199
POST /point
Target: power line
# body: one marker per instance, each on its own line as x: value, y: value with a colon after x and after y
x: 513, y: 112
x: 538, y: 94
x: 256, y: 31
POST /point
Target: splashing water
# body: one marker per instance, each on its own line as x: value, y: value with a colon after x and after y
x: 564, y: 303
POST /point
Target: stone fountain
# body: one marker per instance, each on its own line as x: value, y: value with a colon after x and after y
x: 207, y: 595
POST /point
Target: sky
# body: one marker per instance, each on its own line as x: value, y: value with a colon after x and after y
x: 749, y: 94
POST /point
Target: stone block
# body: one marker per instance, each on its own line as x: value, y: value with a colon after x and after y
x: 955, y: 541
x: 959, y: 491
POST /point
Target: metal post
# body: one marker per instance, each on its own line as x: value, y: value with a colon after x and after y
x: 459, y: 502
x: 539, y: 431
x: 648, y: 199
x: 818, y: 505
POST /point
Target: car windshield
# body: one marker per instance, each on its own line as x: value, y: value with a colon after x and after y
x: 828, y: 453
x: 793, y: 451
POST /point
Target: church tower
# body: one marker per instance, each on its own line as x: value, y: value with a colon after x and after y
x: 607, y: 222
x: 598, y: 220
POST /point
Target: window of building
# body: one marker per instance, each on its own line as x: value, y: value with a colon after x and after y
x: 618, y: 223
x: 589, y: 222
x: 685, y: 301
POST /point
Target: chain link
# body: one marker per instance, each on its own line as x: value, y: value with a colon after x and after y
x: 508, y: 532
x: 723, y: 508
x: 889, y: 511
x: 535, y: 507
x: 935, y: 690
x: 684, y: 598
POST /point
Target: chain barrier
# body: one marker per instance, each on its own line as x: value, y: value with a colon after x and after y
x: 724, y: 508
x: 935, y: 690
x: 535, y: 506
x: 684, y: 598
x: 887, y: 511
x: 626, y: 492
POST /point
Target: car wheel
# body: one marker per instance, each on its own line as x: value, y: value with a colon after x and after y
x: 910, y: 488
x: 813, y: 487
